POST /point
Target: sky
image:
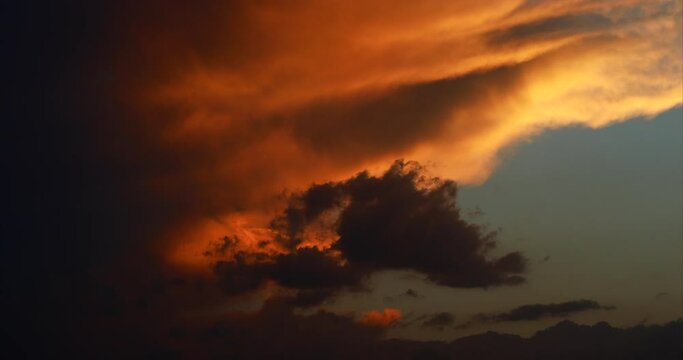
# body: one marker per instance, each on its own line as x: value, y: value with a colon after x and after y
x: 193, y: 180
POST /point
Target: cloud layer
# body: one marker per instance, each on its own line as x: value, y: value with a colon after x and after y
x: 259, y: 97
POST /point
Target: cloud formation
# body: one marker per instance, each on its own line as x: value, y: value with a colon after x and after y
x: 315, y: 272
x: 538, y: 311
x: 334, y: 235
x: 384, y: 318
x: 469, y: 79
x: 259, y: 97
x: 439, y: 321
x: 197, y: 115
x: 141, y: 132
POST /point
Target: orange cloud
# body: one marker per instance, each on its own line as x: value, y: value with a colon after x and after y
x: 300, y: 77
x: 231, y: 103
x: 380, y: 318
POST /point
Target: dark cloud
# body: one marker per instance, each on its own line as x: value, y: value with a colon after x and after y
x: 403, y: 220
x: 411, y: 293
x: 222, y: 246
x: 311, y: 297
x: 439, y: 321
x: 316, y: 274
x: 238, y: 276
x: 95, y: 188
x: 414, y: 216
x: 538, y: 311
x: 395, y: 120
x: 310, y: 268
x: 550, y: 28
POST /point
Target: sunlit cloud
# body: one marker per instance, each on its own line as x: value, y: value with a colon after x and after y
x: 383, y: 318
x: 318, y: 91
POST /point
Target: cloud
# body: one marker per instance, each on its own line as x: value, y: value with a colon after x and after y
x: 394, y: 121
x: 392, y: 212
x: 315, y: 272
x: 384, y: 318
x: 333, y: 236
x: 439, y: 321
x: 548, y: 28
x: 412, y: 214
x: 434, y: 102
x: 538, y: 311
x: 238, y: 124
x: 221, y: 105
x: 411, y: 293
x: 311, y: 297
x: 196, y: 114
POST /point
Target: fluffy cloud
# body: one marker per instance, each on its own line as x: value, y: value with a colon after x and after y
x: 402, y: 220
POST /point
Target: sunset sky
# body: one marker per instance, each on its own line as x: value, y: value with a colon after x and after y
x: 226, y: 178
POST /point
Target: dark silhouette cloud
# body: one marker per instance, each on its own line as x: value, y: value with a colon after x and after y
x: 391, y: 223
x: 414, y: 216
x: 439, y: 321
x: 316, y: 273
x: 311, y: 297
x: 538, y: 311
x: 222, y: 246
x: 402, y: 219
x: 395, y: 120
x: 310, y: 268
x: 411, y: 293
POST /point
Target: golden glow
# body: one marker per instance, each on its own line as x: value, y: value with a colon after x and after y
x: 600, y: 63
x: 383, y: 318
